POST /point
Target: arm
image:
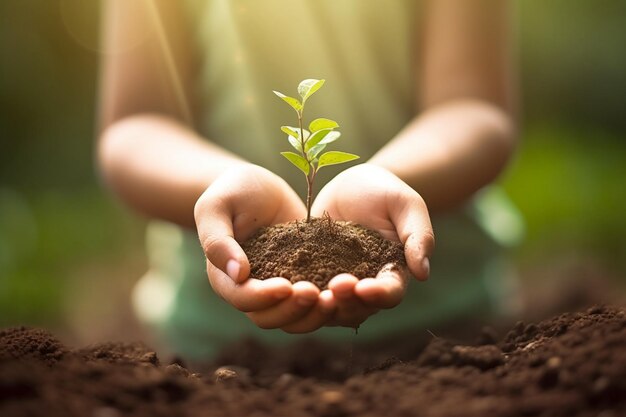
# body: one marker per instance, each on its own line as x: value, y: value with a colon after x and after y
x: 147, y: 151
x: 151, y: 157
x: 466, y: 133
x: 159, y: 166
x: 458, y: 144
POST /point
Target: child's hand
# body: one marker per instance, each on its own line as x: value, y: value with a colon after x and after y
x: 377, y: 199
x: 239, y: 202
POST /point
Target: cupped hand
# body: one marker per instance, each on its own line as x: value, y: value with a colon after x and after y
x: 239, y: 202
x: 376, y: 199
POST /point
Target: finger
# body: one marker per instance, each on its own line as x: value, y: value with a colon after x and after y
x: 302, y: 301
x: 316, y: 318
x: 351, y: 311
x: 327, y: 301
x: 412, y: 222
x: 342, y: 286
x: 215, y: 230
x: 384, y: 291
x: 343, y: 291
x: 351, y: 315
x: 251, y: 295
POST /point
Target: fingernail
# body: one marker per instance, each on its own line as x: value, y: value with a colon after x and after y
x: 426, y: 267
x: 232, y: 269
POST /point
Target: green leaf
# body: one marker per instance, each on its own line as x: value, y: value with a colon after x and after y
x: 335, y: 157
x: 295, y: 131
x: 306, y: 133
x: 315, y: 138
x: 331, y: 137
x: 322, y: 123
x: 295, y: 142
x: 315, y: 150
x: 291, y: 101
x: 307, y: 87
x: 293, y: 135
x: 298, y: 161
x: 290, y: 131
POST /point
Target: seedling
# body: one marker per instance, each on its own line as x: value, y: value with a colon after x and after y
x: 310, y: 143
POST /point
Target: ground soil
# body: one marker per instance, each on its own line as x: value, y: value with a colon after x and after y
x: 318, y: 250
x: 571, y: 365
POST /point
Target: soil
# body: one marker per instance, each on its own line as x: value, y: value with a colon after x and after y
x: 320, y: 249
x: 571, y: 365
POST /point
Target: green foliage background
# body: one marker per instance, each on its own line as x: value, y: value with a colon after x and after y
x: 57, y: 224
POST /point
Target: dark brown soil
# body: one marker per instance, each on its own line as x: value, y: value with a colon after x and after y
x: 572, y: 365
x: 319, y: 250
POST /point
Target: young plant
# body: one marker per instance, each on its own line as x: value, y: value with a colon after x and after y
x: 310, y: 143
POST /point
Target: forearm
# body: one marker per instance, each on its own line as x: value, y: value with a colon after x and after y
x: 450, y: 151
x: 158, y: 166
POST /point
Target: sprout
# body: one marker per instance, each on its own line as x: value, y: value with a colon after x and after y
x: 310, y: 143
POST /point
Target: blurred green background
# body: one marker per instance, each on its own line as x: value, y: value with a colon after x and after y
x: 64, y: 243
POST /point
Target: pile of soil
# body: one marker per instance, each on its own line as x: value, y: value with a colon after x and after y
x: 318, y: 250
x: 571, y: 365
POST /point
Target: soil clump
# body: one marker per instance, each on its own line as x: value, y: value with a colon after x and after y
x: 320, y: 249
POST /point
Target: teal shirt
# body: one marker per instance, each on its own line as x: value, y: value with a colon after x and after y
x: 365, y: 50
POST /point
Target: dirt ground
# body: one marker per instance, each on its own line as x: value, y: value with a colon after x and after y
x: 571, y: 365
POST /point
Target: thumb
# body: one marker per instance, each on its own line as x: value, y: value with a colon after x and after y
x: 215, y: 230
x: 412, y: 222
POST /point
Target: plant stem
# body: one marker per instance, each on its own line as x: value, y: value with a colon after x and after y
x: 309, y: 183
x: 311, y: 175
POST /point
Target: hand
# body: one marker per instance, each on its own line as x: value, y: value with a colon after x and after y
x: 239, y: 202
x: 376, y: 199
